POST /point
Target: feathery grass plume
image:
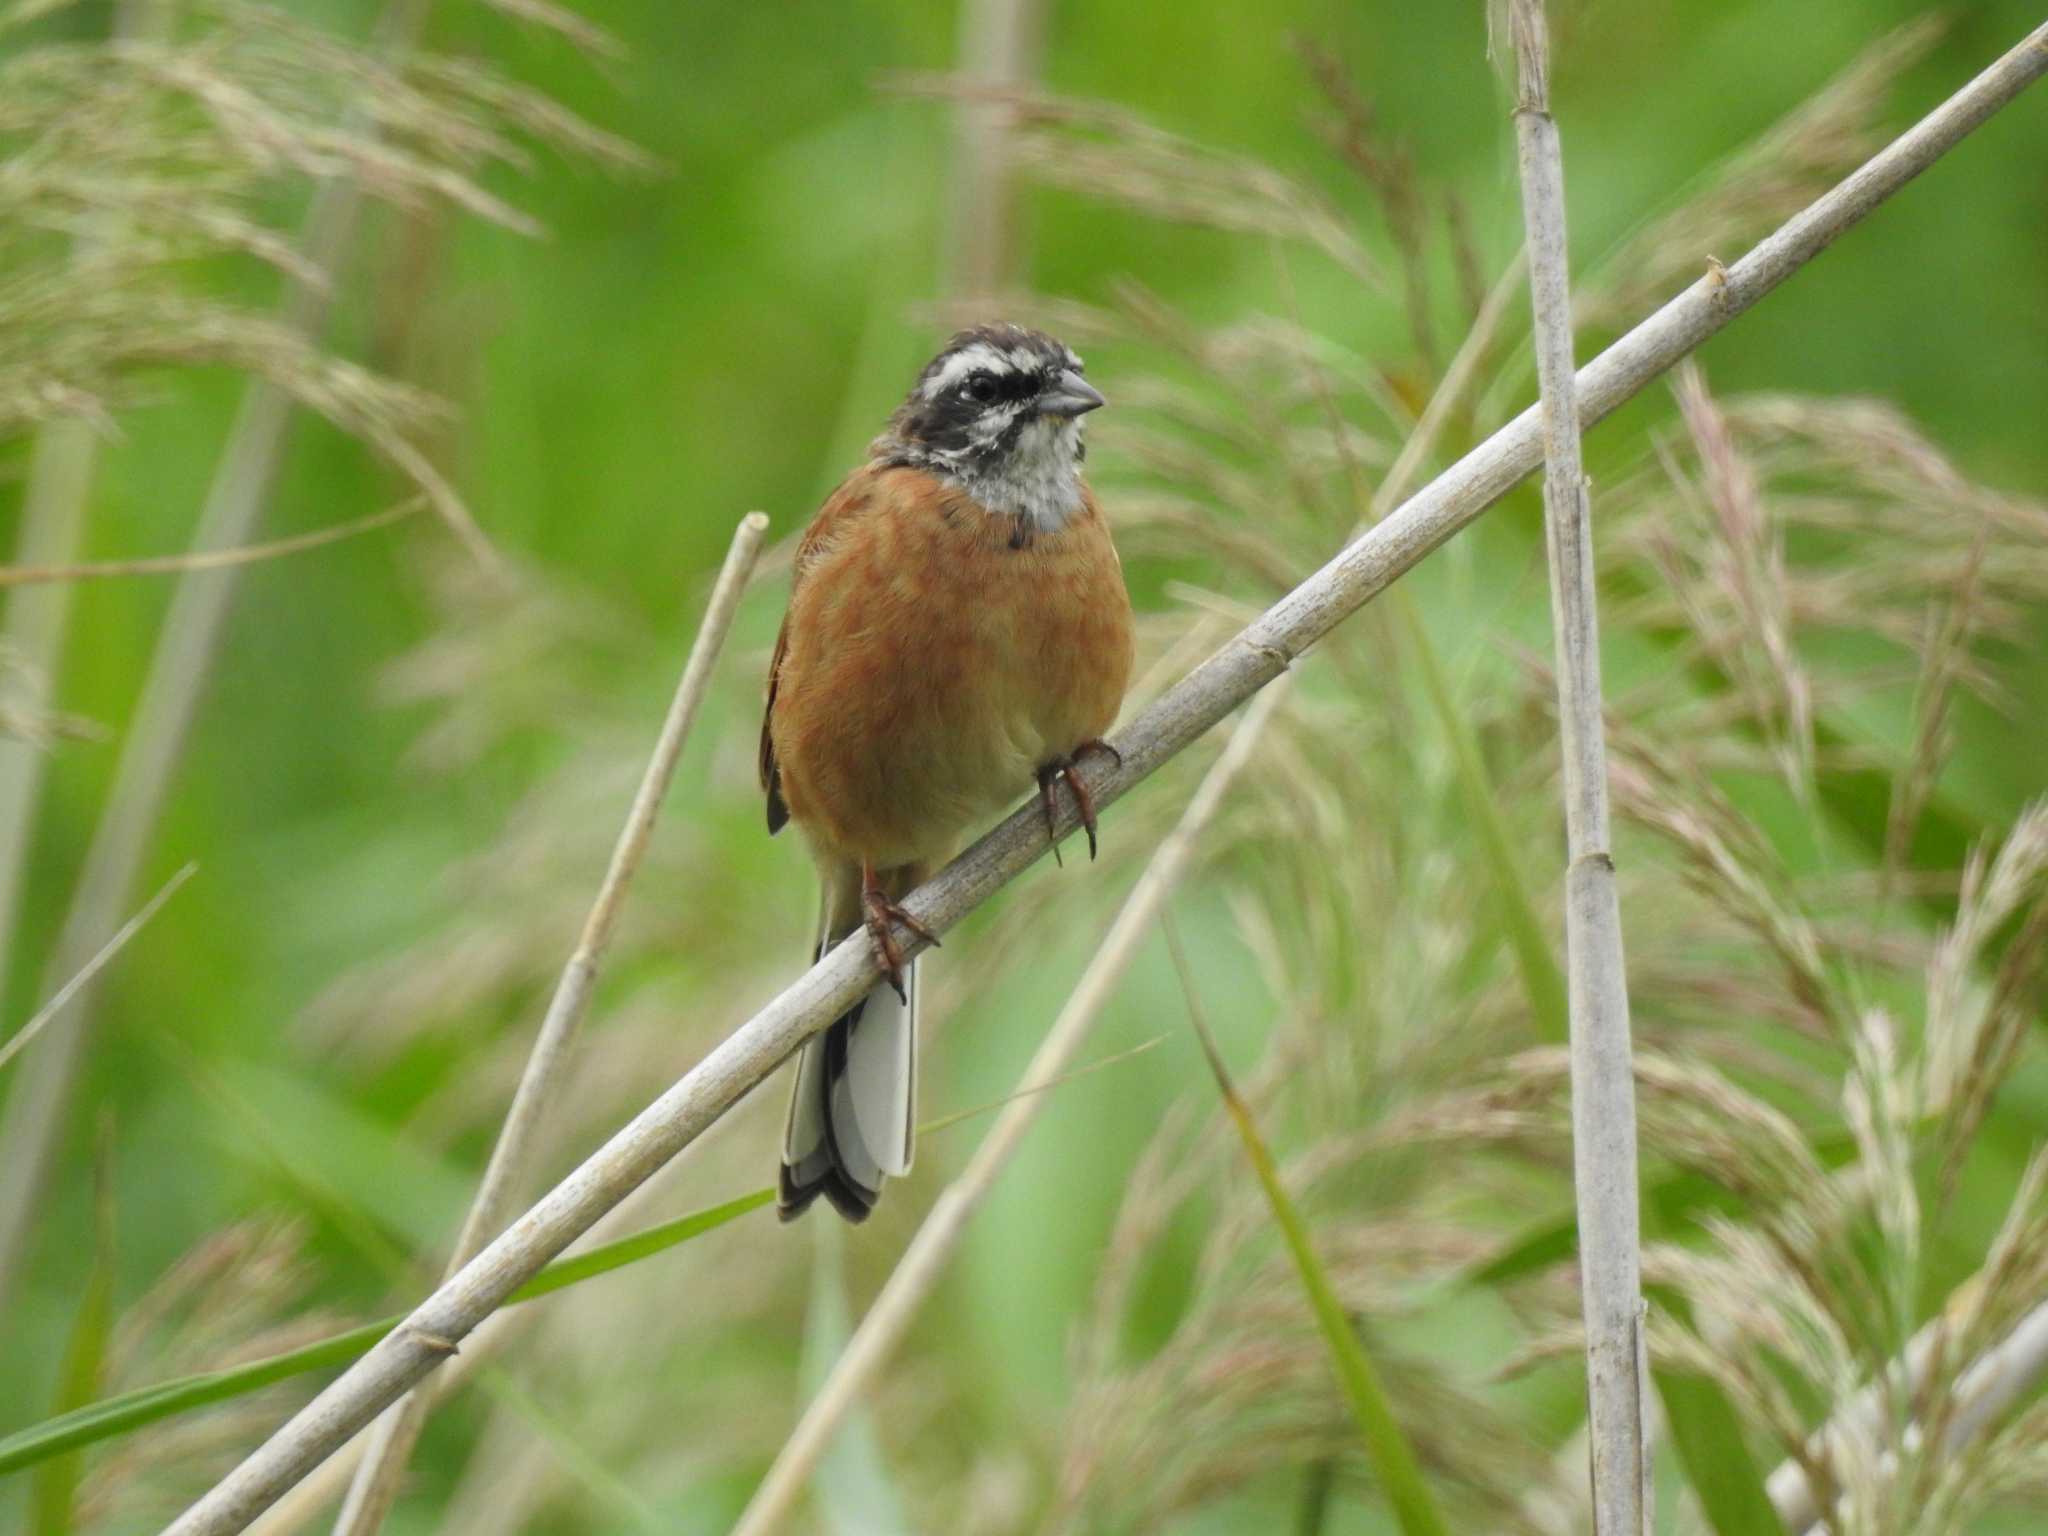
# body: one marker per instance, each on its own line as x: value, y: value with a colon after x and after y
x: 1781, y: 1335
x: 1116, y: 155
x: 1388, y: 167
x: 22, y: 716
x: 1386, y: 1444
x: 1951, y: 623
x: 1705, y: 554
x: 1242, y: 1389
x: 1726, y: 858
x: 184, y: 145
x: 237, y: 1295
x: 1821, y: 478
x: 1974, y: 1032
x: 1779, y: 172
x: 1738, y: 600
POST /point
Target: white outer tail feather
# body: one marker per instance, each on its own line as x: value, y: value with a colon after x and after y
x: 849, y: 1130
x: 880, y: 1083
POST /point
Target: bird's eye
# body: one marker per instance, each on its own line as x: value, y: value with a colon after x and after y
x: 980, y: 388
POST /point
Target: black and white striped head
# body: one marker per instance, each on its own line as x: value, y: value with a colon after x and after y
x: 999, y: 412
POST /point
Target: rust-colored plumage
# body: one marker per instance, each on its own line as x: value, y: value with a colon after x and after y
x: 939, y: 654
x: 928, y: 668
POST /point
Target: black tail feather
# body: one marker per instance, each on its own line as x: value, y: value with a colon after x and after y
x: 851, y: 1184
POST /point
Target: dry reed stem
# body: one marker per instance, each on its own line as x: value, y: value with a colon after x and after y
x: 1603, y: 1083
x: 375, y: 1486
x: 16, y: 1042
x: 208, y: 559
x: 1177, y: 719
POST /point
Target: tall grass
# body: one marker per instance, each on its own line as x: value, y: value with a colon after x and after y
x: 1802, y: 597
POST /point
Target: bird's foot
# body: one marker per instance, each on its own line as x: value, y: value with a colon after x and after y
x: 880, y: 912
x: 1084, y: 798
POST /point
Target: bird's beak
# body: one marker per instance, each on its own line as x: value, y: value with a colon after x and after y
x: 1071, y: 396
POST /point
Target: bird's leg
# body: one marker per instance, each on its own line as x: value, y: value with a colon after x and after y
x: 879, y: 911
x: 1084, y: 798
x: 1046, y: 778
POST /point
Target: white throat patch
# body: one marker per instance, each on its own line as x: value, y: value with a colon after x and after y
x: 1038, y: 480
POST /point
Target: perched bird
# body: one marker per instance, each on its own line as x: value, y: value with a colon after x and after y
x: 957, y: 628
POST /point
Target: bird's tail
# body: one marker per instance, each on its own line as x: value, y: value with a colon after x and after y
x: 853, y: 1113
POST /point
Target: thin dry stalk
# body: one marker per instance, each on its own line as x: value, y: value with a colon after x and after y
x: 19, y: 1040
x: 375, y: 1487
x: 1177, y: 719
x: 40, y: 1103
x: 1943, y: 662
x: 1603, y: 1082
x: 207, y: 559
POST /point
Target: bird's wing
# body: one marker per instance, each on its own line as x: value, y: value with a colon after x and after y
x: 840, y: 507
x: 771, y: 775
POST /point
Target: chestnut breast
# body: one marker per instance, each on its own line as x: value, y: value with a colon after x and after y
x: 933, y: 659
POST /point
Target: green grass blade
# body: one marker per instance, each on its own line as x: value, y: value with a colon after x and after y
x: 147, y: 1405
x: 1386, y: 1446
x: 1393, y: 1459
x: 131, y: 1410
x: 641, y: 1245
x: 1542, y: 980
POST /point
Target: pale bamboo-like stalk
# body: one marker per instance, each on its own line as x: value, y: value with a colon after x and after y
x: 375, y: 1486
x: 1184, y: 713
x: 944, y: 1227
x: 918, y: 1271
x: 1603, y: 1076
x: 178, y: 671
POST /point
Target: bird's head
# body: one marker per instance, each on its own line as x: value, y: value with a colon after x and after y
x: 999, y: 412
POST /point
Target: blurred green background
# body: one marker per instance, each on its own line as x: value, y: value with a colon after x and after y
x: 399, y: 801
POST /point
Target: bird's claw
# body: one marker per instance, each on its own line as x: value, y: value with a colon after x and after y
x: 879, y: 912
x: 1084, y: 798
